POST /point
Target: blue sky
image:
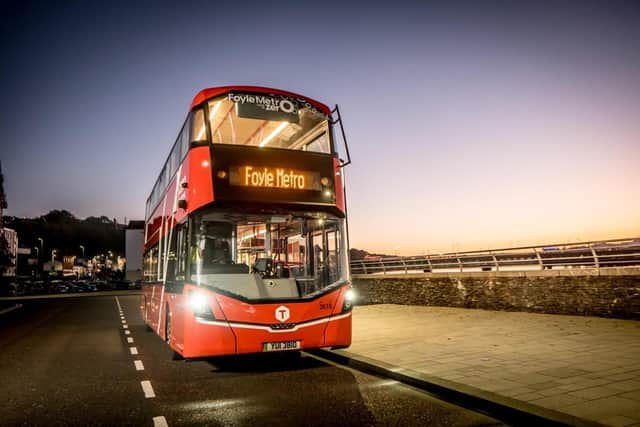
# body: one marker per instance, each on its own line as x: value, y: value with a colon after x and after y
x: 469, y: 126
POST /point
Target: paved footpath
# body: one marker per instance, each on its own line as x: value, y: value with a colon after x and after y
x: 587, y: 367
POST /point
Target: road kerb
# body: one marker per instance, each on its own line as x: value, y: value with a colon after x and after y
x: 511, y: 411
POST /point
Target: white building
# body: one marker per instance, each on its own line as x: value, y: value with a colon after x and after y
x: 134, y: 241
x: 12, y: 239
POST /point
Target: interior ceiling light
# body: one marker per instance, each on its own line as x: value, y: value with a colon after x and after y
x: 273, y: 134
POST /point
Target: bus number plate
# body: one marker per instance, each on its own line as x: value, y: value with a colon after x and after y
x: 281, y: 346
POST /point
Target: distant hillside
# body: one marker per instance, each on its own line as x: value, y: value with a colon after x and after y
x: 360, y: 254
x: 62, y: 231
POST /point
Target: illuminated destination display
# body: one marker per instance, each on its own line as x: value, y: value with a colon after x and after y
x: 274, y: 177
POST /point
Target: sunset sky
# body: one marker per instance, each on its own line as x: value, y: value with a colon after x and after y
x: 470, y: 127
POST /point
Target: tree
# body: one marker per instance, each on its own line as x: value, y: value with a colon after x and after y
x: 5, y: 259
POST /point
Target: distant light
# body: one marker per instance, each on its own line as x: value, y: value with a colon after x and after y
x: 222, y: 174
x: 327, y: 193
x: 324, y: 181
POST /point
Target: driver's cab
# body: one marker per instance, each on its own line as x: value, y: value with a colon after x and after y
x: 267, y: 256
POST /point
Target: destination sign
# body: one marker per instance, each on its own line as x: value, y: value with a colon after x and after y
x: 274, y: 177
x: 265, y: 107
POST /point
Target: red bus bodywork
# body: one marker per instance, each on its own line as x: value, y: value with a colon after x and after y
x: 238, y: 325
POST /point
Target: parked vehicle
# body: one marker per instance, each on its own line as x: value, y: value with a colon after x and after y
x: 75, y: 287
x: 122, y: 284
x: 90, y: 286
x: 38, y: 288
x: 59, y: 287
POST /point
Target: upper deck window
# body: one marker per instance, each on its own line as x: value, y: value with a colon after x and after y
x: 272, y: 121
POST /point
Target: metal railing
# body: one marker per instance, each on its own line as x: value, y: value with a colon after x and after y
x: 596, y: 254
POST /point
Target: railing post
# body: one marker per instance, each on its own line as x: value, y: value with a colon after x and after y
x: 459, y: 262
x: 539, y: 258
x: 364, y: 266
x: 595, y: 258
x: 384, y: 270
x: 405, y: 266
x: 429, y: 264
x: 495, y: 261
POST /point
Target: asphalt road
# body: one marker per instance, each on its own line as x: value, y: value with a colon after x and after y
x: 70, y: 362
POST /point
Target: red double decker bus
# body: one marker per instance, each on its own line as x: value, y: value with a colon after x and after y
x: 245, y: 232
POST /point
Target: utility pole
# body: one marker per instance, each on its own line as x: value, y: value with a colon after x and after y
x: 3, y: 199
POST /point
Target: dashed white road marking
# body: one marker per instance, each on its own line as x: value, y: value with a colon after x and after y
x: 139, y: 365
x: 160, y: 422
x: 124, y: 322
x: 10, y: 309
x: 127, y: 332
x: 125, y: 327
x: 147, y: 389
x: 133, y: 350
x: 118, y: 302
x: 129, y: 340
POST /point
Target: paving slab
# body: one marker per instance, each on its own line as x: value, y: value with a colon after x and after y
x: 585, y: 367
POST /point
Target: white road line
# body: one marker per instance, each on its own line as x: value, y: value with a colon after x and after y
x: 147, y: 389
x: 139, y: 365
x: 124, y: 322
x: 160, y: 422
x: 127, y: 332
x: 129, y: 340
x: 10, y: 309
x: 118, y: 302
x: 133, y: 350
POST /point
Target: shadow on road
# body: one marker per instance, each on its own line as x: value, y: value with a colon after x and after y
x: 263, y: 363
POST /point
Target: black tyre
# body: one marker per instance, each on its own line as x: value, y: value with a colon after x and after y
x: 167, y: 334
x: 167, y: 325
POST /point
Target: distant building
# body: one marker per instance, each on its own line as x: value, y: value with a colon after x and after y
x: 134, y: 241
x: 51, y: 268
x: 12, y: 240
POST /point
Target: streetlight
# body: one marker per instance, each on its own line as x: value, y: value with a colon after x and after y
x: 82, y: 247
x: 53, y: 254
x: 41, y: 250
x: 37, y: 261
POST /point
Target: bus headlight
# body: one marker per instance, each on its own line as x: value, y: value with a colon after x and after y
x: 348, y: 300
x: 200, y: 305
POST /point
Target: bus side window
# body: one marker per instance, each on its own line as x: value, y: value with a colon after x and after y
x: 182, y: 252
x: 171, y: 255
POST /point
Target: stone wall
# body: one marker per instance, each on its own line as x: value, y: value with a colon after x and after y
x: 610, y: 292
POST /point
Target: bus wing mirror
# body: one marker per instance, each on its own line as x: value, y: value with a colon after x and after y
x: 338, y: 120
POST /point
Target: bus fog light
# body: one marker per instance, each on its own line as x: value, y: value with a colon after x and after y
x: 349, y: 298
x: 350, y: 295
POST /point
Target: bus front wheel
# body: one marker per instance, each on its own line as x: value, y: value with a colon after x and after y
x: 167, y: 334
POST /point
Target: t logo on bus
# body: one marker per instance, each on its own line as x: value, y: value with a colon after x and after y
x: 282, y: 313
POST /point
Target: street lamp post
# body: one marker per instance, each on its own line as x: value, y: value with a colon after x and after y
x: 82, y: 247
x: 37, y: 261
x: 41, y: 250
x: 53, y: 254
